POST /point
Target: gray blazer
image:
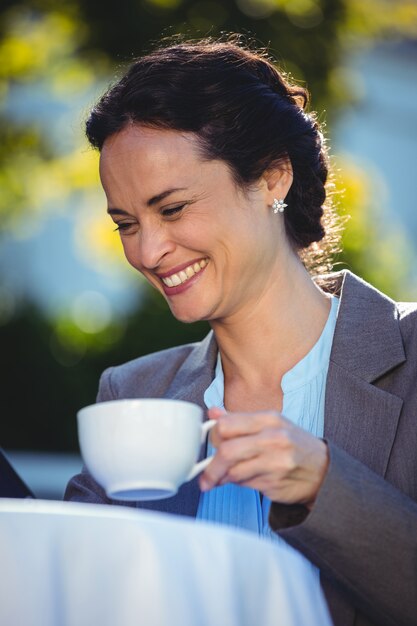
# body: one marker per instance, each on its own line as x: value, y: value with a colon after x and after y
x: 362, y: 531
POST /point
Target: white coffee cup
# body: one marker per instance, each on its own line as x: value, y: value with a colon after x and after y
x: 142, y: 449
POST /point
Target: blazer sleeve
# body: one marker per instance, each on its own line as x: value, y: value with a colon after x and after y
x: 362, y: 534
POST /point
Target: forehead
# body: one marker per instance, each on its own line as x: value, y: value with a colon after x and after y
x: 149, y: 152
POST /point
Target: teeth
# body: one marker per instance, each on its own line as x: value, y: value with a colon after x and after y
x: 177, y: 279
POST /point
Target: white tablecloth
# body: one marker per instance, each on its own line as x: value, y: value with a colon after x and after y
x: 68, y: 564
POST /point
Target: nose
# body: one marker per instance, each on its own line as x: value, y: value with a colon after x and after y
x: 154, y: 244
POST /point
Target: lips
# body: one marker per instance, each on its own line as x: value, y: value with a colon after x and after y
x: 182, y: 276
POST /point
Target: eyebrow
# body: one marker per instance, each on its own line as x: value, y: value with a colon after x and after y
x: 151, y: 202
x: 163, y: 195
x: 117, y: 212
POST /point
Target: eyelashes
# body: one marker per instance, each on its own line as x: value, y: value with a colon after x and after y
x: 172, y: 212
x: 121, y: 227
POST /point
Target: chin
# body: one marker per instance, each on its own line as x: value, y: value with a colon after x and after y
x: 189, y: 316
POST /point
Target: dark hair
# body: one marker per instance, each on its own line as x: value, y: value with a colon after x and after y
x: 243, y: 111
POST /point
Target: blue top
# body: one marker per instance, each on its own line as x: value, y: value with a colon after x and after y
x: 304, y: 388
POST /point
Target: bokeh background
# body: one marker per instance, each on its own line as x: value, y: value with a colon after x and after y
x: 69, y: 305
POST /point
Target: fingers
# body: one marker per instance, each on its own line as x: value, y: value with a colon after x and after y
x: 215, y: 412
x: 237, y: 437
x: 246, y: 458
x: 226, y: 464
x: 229, y: 454
x: 233, y: 425
x: 282, y: 461
x: 244, y: 472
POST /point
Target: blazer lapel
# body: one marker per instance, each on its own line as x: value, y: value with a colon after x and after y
x: 190, y: 383
x: 359, y: 417
x: 195, y: 374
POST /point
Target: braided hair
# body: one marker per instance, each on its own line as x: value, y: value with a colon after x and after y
x: 243, y: 111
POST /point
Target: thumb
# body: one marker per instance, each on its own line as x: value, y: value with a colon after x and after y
x: 215, y: 412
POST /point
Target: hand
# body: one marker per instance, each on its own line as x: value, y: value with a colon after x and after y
x: 267, y: 452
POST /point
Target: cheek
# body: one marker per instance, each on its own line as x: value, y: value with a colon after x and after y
x: 131, y: 253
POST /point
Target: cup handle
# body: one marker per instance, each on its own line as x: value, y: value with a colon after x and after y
x: 201, y: 465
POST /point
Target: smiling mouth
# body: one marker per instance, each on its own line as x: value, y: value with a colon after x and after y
x: 184, y: 275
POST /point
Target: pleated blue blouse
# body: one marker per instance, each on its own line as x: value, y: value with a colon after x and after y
x: 304, y: 388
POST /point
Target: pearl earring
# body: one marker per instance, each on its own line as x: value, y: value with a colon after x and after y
x: 279, y: 206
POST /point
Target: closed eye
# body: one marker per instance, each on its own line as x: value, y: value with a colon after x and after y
x: 123, y: 227
x: 173, y: 210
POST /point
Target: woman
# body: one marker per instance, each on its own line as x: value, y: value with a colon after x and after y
x: 215, y: 178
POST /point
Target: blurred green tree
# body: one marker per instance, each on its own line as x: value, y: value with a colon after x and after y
x: 42, y: 75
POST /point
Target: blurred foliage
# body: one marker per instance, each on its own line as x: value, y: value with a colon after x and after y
x: 56, y: 57
x: 302, y: 34
x: 372, y: 245
x: 50, y: 374
x: 43, y: 77
x: 370, y: 19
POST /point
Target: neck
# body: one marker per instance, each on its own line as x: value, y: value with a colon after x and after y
x: 264, y: 339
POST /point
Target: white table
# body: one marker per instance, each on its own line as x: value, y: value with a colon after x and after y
x: 69, y: 564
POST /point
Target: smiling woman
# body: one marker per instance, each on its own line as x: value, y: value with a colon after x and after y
x: 183, y: 220
x: 215, y: 176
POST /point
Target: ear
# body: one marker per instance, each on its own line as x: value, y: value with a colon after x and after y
x: 279, y: 180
